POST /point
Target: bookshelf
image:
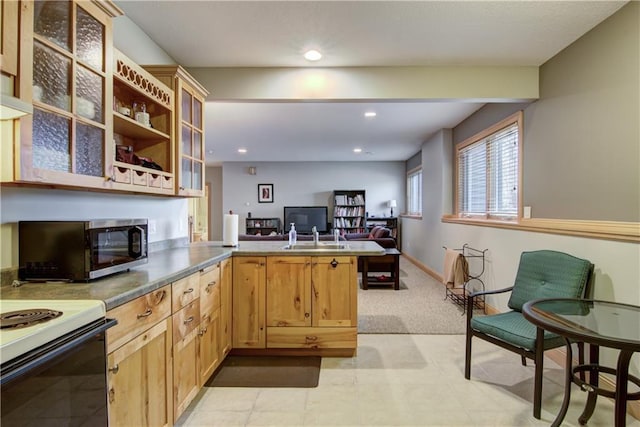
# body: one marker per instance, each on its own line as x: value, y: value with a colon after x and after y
x: 262, y: 226
x: 349, y: 211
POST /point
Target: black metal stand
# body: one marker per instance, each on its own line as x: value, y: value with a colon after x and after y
x: 459, y: 295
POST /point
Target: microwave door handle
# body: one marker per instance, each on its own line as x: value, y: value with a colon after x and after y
x: 140, y: 232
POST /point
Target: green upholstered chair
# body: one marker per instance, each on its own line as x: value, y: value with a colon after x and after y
x: 541, y: 274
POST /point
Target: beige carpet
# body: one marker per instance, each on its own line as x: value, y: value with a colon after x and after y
x: 418, y: 307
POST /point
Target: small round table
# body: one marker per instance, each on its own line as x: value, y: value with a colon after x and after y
x: 598, y: 323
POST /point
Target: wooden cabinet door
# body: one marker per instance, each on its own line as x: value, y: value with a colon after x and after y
x: 185, y: 354
x: 140, y: 380
x: 225, y: 307
x: 208, y: 346
x: 249, y: 285
x: 334, y: 287
x: 288, y: 291
x: 9, y: 16
x: 66, y: 69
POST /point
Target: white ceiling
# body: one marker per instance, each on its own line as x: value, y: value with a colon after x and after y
x: 352, y: 33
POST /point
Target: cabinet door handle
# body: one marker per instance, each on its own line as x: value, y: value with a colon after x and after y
x: 160, y: 296
x: 209, y: 285
x: 188, y: 291
x: 306, y: 315
x: 334, y: 263
x: 202, y: 331
x: 311, y: 338
x: 114, y: 369
x: 112, y: 395
x: 145, y: 314
x: 188, y: 320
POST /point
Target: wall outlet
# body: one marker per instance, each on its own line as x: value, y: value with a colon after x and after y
x: 152, y: 226
x: 526, y: 212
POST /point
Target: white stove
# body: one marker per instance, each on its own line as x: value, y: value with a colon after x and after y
x: 75, y: 314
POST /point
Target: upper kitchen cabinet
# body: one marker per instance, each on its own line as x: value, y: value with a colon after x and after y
x: 9, y: 16
x: 143, y: 127
x: 189, y: 127
x: 66, y: 68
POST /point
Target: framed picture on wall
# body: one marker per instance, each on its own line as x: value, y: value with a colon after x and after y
x: 265, y: 193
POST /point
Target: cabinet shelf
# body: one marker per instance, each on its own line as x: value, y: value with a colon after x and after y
x: 127, y: 126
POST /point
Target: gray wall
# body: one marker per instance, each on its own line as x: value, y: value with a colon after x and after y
x: 585, y: 129
x: 310, y: 184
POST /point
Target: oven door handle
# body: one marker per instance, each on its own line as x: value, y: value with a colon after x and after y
x: 49, y: 351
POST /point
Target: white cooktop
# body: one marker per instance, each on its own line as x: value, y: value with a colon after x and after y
x: 76, y: 313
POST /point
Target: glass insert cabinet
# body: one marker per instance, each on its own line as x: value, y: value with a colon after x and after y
x: 189, y: 127
x: 66, y: 70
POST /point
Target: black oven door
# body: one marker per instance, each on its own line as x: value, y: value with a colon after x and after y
x: 113, y: 246
x: 63, y: 383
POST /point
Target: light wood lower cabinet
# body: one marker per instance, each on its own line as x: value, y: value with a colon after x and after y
x: 249, y: 302
x: 226, y: 305
x: 185, y: 320
x: 306, y: 302
x: 140, y: 362
x: 209, y: 356
x: 311, y: 302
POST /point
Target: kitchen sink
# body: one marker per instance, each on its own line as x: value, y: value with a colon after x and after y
x: 316, y: 246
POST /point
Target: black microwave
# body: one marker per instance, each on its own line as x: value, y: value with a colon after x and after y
x: 80, y: 250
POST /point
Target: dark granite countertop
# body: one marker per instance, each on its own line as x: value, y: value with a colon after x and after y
x: 165, y: 267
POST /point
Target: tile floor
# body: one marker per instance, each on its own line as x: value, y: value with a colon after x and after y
x: 403, y: 380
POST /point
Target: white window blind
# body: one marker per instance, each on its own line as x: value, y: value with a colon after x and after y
x: 414, y: 192
x: 488, y: 173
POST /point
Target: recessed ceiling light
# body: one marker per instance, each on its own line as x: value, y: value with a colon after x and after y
x: 357, y: 150
x: 312, y: 55
x: 242, y: 150
x: 370, y: 114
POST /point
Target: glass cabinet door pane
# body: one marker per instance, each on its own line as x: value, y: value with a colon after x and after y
x: 186, y: 106
x: 197, y: 175
x: 51, y: 136
x: 89, y: 155
x: 89, y: 88
x: 186, y: 141
x: 51, y: 77
x: 197, y: 145
x: 186, y: 173
x: 90, y: 40
x: 51, y: 20
x: 197, y: 113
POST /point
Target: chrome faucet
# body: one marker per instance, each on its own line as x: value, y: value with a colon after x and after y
x: 316, y: 236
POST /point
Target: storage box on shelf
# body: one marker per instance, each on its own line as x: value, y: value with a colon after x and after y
x: 143, y: 121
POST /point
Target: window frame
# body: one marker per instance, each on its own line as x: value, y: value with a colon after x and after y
x: 516, y: 118
x: 410, y: 174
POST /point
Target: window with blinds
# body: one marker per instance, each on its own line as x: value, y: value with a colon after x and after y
x: 414, y: 192
x: 488, y: 172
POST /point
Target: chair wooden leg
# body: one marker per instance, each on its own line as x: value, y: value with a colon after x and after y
x: 537, y: 386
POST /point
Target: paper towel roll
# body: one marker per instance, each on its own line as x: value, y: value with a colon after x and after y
x: 230, y: 230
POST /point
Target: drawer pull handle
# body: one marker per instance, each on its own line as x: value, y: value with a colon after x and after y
x: 112, y: 395
x: 202, y: 331
x: 209, y: 285
x: 188, y: 291
x: 114, y: 369
x: 311, y: 338
x: 188, y: 320
x: 145, y: 314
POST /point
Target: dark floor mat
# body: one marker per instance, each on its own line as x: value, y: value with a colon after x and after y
x: 267, y: 371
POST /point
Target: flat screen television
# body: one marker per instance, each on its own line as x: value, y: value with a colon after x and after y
x: 305, y: 217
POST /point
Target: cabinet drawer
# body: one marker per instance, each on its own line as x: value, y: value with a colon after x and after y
x: 137, y: 316
x: 167, y: 182
x: 139, y: 178
x: 186, y: 320
x: 184, y: 291
x: 122, y: 175
x: 311, y: 338
x: 209, y: 290
x: 155, y: 180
